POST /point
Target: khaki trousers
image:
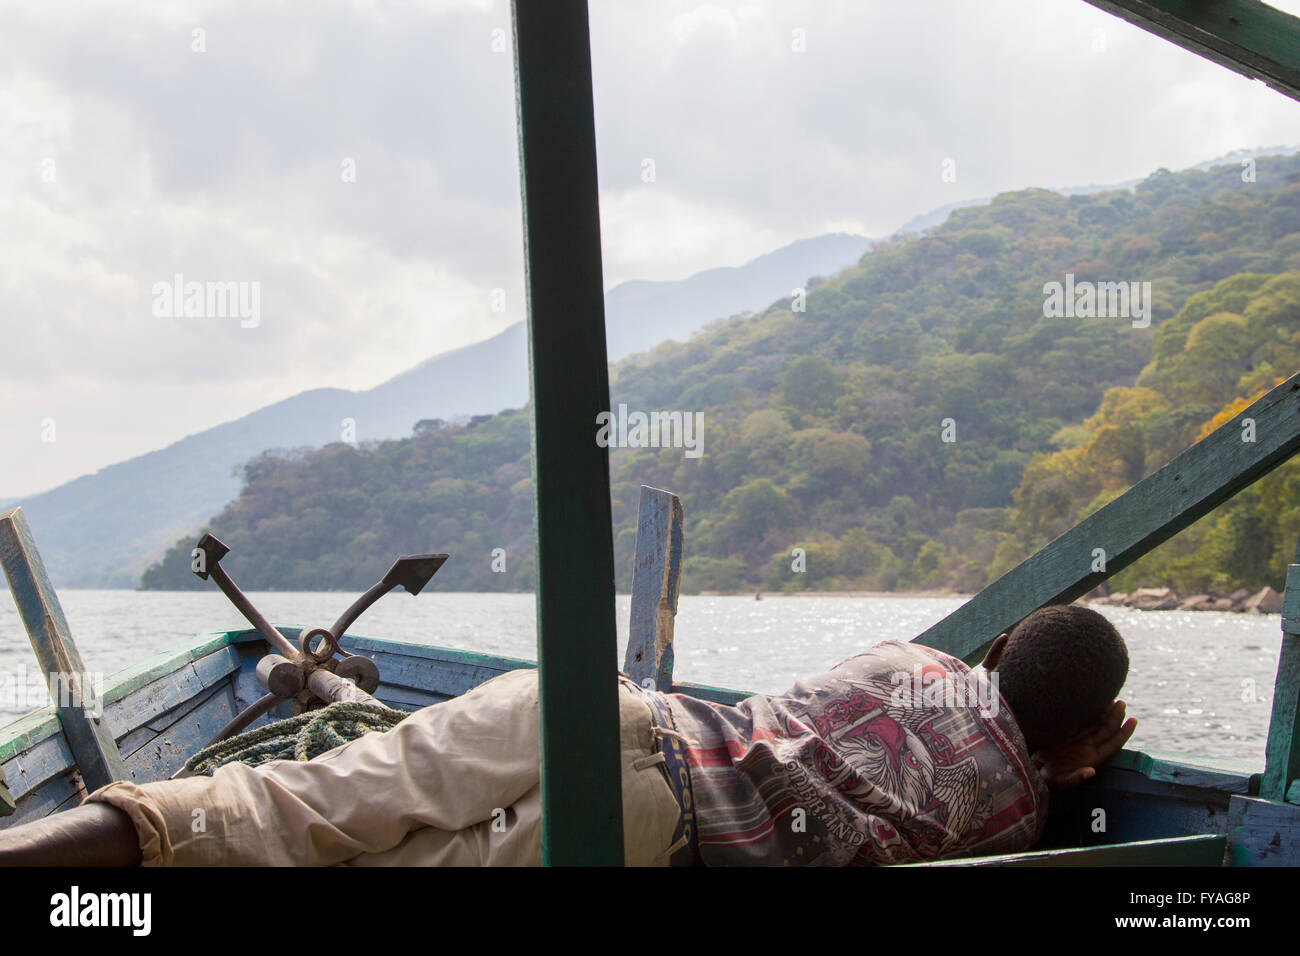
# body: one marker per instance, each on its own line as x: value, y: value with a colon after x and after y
x: 455, y: 784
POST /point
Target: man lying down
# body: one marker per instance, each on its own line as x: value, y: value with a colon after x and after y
x: 898, y: 754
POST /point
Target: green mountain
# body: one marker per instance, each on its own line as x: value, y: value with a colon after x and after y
x: 898, y: 425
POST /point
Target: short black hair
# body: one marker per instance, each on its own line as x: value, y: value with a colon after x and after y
x: 1060, y: 669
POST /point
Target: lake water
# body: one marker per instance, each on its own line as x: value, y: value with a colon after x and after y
x: 1200, y: 683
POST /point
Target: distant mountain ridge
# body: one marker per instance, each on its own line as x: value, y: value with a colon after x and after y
x: 919, y: 421
x: 134, y: 509
x: 936, y: 216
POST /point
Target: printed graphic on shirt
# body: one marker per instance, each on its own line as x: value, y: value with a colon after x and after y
x: 842, y: 769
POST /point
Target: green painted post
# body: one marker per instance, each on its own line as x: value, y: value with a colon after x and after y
x: 1282, y: 752
x: 1248, y: 36
x: 582, y: 812
x: 71, y: 687
x: 1151, y: 512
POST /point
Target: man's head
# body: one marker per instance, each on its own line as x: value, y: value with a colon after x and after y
x: 1058, y: 670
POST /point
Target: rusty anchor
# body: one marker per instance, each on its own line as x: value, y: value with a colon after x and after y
x: 318, y: 671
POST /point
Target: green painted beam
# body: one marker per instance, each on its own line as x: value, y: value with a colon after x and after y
x: 1206, y: 773
x: 1282, y: 752
x: 1145, y: 516
x: 71, y: 687
x: 1200, y: 850
x: 1247, y: 36
x: 582, y: 813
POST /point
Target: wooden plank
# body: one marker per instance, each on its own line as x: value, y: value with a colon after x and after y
x: 1263, y: 833
x: 364, y: 645
x: 131, y: 679
x: 1247, y: 36
x: 1200, y: 850
x: 577, y: 641
x: 170, y: 691
x: 441, y: 678
x: 71, y: 687
x: 30, y: 770
x: 1184, y: 770
x: 1149, y: 513
x: 27, y: 731
x: 1282, y: 751
x: 406, y: 698
x: 59, y: 793
x: 19, y: 734
x: 23, y: 733
x: 34, y: 751
x: 141, y: 735
x: 719, y: 695
x: 168, y: 750
x: 1121, y: 806
x: 656, y: 577
x: 1291, y: 598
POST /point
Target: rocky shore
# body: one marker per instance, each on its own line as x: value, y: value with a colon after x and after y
x: 1264, y: 601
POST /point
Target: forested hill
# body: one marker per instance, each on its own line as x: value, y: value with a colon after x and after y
x: 825, y: 420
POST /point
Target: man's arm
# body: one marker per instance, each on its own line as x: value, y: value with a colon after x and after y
x: 95, y: 834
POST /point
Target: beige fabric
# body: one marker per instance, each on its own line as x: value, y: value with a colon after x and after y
x: 455, y: 784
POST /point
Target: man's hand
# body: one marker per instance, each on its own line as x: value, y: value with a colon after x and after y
x: 1071, y: 763
x: 93, y: 834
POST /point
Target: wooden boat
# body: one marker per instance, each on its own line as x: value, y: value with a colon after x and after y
x: 1159, y: 809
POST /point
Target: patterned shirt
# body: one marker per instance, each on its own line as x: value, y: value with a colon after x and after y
x: 896, y: 755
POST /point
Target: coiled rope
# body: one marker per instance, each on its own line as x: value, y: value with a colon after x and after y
x: 297, y: 738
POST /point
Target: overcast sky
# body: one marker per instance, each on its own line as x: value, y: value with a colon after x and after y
x: 128, y: 156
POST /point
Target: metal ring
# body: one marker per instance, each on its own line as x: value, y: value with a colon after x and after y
x: 329, y: 646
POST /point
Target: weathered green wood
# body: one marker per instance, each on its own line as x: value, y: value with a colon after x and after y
x: 34, y: 752
x: 1149, y: 513
x: 21, y: 734
x: 719, y: 695
x: 69, y: 683
x: 130, y: 680
x: 147, y: 731
x: 1263, y: 833
x: 1188, y: 771
x: 656, y: 577
x: 167, y: 749
x: 433, y: 653
x: 1201, y: 850
x: 35, y: 766
x: 7, y: 802
x: 447, y: 679
x: 27, y: 731
x: 1282, y: 752
x: 170, y: 691
x: 171, y: 737
x: 54, y: 795
x: 1250, y: 37
x: 582, y: 816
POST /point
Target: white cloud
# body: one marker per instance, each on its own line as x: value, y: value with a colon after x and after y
x: 226, y: 165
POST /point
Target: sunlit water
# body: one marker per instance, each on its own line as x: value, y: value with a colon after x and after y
x: 1200, y: 683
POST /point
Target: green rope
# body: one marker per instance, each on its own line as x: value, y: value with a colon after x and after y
x: 297, y: 738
